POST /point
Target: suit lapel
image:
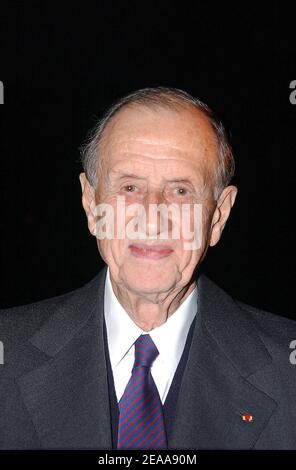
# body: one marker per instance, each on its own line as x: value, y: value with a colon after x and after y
x: 67, y: 397
x: 215, y: 392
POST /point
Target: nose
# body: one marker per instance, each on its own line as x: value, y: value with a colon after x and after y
x: 157, y: 220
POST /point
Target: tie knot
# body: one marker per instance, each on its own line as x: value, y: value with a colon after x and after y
x: 145, y: 351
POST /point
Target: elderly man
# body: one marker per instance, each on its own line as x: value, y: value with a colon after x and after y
x: 150, y: 354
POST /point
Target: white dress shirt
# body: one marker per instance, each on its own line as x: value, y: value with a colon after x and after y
x: 169, y: 338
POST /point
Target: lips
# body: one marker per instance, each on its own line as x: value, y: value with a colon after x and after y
x: 150, y: 251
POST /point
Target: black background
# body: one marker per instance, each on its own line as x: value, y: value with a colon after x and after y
x: 63, y: 63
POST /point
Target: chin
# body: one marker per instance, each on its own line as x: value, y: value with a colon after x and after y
x: 149, y: 278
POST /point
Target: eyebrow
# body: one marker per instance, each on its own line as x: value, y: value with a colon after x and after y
x: 133, y: 175
x: 179, y: 180
x: 125, y: 174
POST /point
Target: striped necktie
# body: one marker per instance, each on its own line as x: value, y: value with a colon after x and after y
x: 141, y: 421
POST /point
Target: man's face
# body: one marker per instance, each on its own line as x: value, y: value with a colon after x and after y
x: 156, y: 157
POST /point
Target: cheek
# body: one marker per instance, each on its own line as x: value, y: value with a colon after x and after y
x: 113, y: 251
x: 190, y: 257
x: 190, y: 252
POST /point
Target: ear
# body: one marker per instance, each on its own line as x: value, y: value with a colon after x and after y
x: 222, y: 212
x: 88, y: 202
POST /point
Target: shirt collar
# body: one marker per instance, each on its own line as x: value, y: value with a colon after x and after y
x: 122, y: 331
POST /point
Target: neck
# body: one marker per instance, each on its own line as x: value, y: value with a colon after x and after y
x: 149, y: 312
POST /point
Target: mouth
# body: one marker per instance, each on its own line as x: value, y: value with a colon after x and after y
x: 150, y: 251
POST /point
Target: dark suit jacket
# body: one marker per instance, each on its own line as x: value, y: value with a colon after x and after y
x: 54, y: 382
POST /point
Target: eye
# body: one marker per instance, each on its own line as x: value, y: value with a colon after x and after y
x: 181, y: 191
x: 129, y: 188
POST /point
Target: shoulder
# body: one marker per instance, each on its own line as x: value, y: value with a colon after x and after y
x: 265, y: 319
x: 276, y: 331
x: 22, y: 321
x: 232, y: 317
x: 278, y: 326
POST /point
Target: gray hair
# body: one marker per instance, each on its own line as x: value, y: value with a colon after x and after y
x: 171, y: 98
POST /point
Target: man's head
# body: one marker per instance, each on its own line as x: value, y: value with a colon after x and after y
x: 158, y: 146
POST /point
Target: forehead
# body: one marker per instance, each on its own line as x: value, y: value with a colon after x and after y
x: 140, y: 134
